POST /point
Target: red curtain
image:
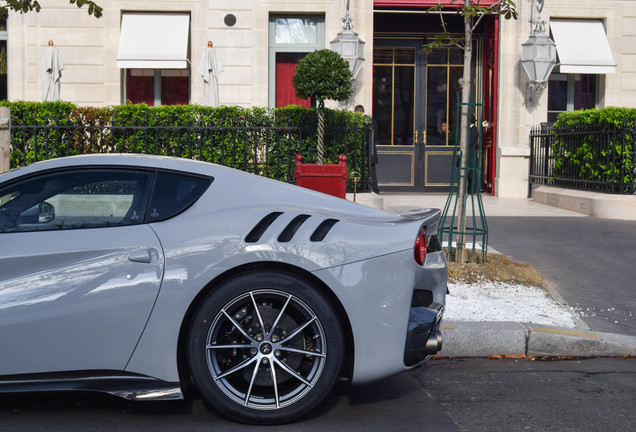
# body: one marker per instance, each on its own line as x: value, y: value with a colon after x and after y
x: 285, y: 70
x: 140, y: 88
x: 174, y: 90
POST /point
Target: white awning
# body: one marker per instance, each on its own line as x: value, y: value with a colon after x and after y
x: 582, y: 46
x: 153, y: 41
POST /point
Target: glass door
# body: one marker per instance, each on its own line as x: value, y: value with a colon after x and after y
x: 444, y: 69
x: 415, y: 110
x: 398, y: 106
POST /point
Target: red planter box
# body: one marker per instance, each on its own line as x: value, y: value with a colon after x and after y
x: 328, y: 178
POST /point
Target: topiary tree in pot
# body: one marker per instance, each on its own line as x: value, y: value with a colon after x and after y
x: 322, y: 75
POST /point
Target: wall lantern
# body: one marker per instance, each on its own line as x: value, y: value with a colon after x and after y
x: 538, y: 57
x: 348, y: 44
x: 538, y: 53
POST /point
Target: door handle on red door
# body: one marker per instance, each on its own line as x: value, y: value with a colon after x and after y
x: 142, y: 256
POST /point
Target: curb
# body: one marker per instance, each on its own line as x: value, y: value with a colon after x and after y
x: 482, y: 339
x: 600, y: 205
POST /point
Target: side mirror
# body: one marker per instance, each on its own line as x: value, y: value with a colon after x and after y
x: 46, y: 212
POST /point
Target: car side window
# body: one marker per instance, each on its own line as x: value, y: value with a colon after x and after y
x: 81, y: 198
x: 173, y: 193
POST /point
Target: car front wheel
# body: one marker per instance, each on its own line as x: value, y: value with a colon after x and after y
x: 265, y: 347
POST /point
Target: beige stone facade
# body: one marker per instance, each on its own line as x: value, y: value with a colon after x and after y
x: 517, y: 115
x: 91, y: 77
x: 89, y: 46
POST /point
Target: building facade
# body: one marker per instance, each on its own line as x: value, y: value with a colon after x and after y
x: 149, y: 51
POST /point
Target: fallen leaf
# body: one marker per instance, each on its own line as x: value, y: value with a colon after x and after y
x: 519, y: 356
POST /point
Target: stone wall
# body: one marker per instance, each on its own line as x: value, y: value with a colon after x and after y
x: 518, y: 113
x: 89, y: 45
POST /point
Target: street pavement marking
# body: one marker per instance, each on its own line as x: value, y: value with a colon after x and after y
x: 449, y: 326
x: 566, y: 332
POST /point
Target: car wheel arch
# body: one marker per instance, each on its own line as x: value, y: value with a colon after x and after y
x: 182, y: 362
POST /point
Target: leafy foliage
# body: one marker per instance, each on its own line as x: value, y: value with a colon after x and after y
x: 321, y: 75
x: 595, y: 145
x: 257, y: 140
x: 47, y: 130
x: 93, y: 8
x: 25, y: 6
x: 347, y: 133
x: 472, y: 12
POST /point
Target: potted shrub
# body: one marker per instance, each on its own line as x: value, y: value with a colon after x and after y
x: 322, y: 75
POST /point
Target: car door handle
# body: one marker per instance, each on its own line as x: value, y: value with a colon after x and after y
x: 142, y: 256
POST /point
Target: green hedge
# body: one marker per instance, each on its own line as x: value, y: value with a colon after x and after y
x: 595, y: 145
x: 47, y: 130
x: 254, y: 139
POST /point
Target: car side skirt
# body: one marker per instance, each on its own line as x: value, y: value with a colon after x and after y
x: 126, y: 386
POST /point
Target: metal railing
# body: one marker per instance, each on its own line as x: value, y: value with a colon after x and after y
x: 591, y: 159
x: 267, y: 150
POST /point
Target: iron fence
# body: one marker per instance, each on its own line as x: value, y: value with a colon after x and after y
x: 266, y: 150
x: 590, y: 159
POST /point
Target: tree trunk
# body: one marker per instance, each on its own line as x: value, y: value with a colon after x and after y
x: 320, y: 147
x: 463, y: 139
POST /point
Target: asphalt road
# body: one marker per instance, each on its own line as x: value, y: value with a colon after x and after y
x: 524, y: 395
x: 591, y: 261
x: 445, y: 395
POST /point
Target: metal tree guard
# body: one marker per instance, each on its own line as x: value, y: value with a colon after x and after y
x: 476, y: 227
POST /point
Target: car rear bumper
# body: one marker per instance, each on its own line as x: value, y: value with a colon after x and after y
x: 388, y: 299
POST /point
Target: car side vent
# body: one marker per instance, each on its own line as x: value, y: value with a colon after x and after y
x: 260, y: 228
x: 323, y: 229
x: 292, y: 227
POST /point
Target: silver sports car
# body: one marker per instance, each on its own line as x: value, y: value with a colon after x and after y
x: 144, y: 276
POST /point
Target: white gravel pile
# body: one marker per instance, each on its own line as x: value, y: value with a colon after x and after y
x: 495, y: 301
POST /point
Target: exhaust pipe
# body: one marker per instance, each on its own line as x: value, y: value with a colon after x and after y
x: 434, y: 343
x: 423, y: 337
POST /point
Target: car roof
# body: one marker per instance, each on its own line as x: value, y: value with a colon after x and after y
x: 115, y: 159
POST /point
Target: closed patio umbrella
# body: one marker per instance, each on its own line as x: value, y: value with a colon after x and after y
x: 210, y: 67
x: 51, y: 66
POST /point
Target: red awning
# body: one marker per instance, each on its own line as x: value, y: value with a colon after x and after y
x: 425, y: 3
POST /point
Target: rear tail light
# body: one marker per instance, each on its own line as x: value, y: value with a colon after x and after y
x: 420, y: 246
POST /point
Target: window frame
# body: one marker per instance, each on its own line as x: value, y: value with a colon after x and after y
x: 275, y: 47
x: 157, y: 72
x: 157, y: 89
x: 570, y: 80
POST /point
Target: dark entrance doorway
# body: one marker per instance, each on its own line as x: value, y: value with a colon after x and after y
x: 415, y: 109
x: 415, y: 99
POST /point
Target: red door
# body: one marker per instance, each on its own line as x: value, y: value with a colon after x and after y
x: 285, y: 70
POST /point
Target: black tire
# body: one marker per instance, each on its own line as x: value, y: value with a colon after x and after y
x: 256, y: 320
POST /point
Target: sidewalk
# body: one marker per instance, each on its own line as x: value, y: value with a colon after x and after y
x: 493, y: 206
x: 547, y: 201
x: 492, y: 336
